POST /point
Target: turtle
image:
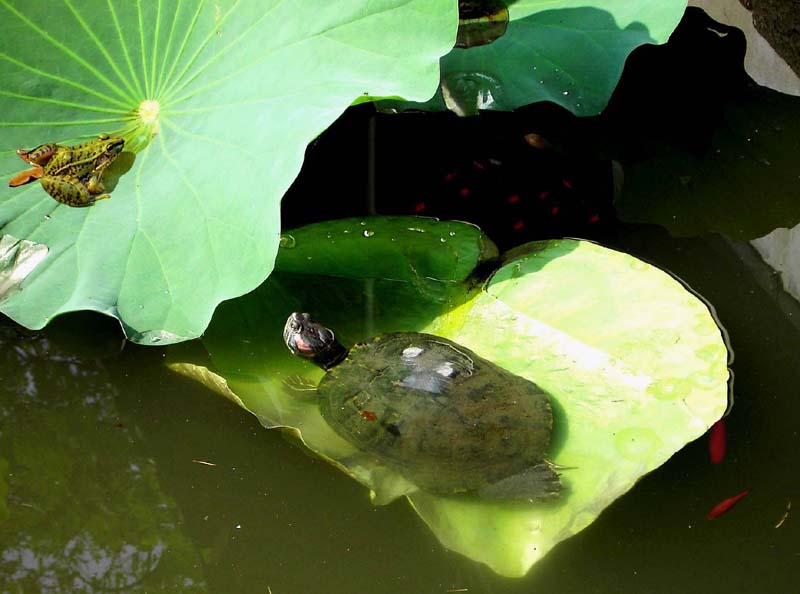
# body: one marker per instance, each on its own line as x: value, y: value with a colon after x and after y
x: 446, y: 419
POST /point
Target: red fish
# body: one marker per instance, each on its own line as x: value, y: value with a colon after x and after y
x: 726, y: 504
x: 369, y: 415
x: 716, y: 442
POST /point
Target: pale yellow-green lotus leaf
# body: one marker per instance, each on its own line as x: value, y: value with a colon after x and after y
x: 634, y: 362
x: 636, y: 365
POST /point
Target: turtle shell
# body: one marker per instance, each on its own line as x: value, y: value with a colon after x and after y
x: 445, y: 418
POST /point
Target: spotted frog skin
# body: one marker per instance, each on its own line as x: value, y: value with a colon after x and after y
x: 71, y: 174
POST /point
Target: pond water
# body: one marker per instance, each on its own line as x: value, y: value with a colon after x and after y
x: 118, y: 475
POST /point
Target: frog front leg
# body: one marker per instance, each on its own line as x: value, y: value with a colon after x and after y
x: 67, y: 189
x: 95, y: 186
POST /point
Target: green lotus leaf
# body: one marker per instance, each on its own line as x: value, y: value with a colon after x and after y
x: 399, y: 248
x: 216, y: 103
x: 568, y: 52
x: 635, y: 364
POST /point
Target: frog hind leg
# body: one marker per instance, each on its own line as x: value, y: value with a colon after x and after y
x: 41, y: 155
x: 25, y: 177
x: 67, y: 190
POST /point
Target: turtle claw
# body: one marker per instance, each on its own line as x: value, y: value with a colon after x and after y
x: 300, y: 388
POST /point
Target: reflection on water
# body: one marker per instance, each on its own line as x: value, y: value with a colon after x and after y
x: 86, y: 513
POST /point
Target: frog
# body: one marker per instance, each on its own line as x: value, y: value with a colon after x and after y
x: 72, y: 175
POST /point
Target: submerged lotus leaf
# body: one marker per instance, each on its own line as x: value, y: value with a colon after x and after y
x: 635, y: 364
x: 216, y: 102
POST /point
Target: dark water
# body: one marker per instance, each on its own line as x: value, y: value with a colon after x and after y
x: 103, y: 486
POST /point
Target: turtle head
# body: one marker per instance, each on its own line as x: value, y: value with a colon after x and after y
x: 313, y: 341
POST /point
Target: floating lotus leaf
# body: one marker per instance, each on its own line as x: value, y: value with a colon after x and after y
x: 571, y: 53
x: 635, y: 364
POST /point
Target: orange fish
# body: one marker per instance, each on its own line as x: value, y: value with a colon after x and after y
x: 537, y: 141
x: 716, y: 442
x: 726, y: 504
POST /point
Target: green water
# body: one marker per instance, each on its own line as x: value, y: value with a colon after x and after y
x: 119, y: 476
x: 107, y: 492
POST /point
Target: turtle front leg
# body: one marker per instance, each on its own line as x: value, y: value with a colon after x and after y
x: 68, y: 190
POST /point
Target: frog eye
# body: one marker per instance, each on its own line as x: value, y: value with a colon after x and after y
x: 115, y: 146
